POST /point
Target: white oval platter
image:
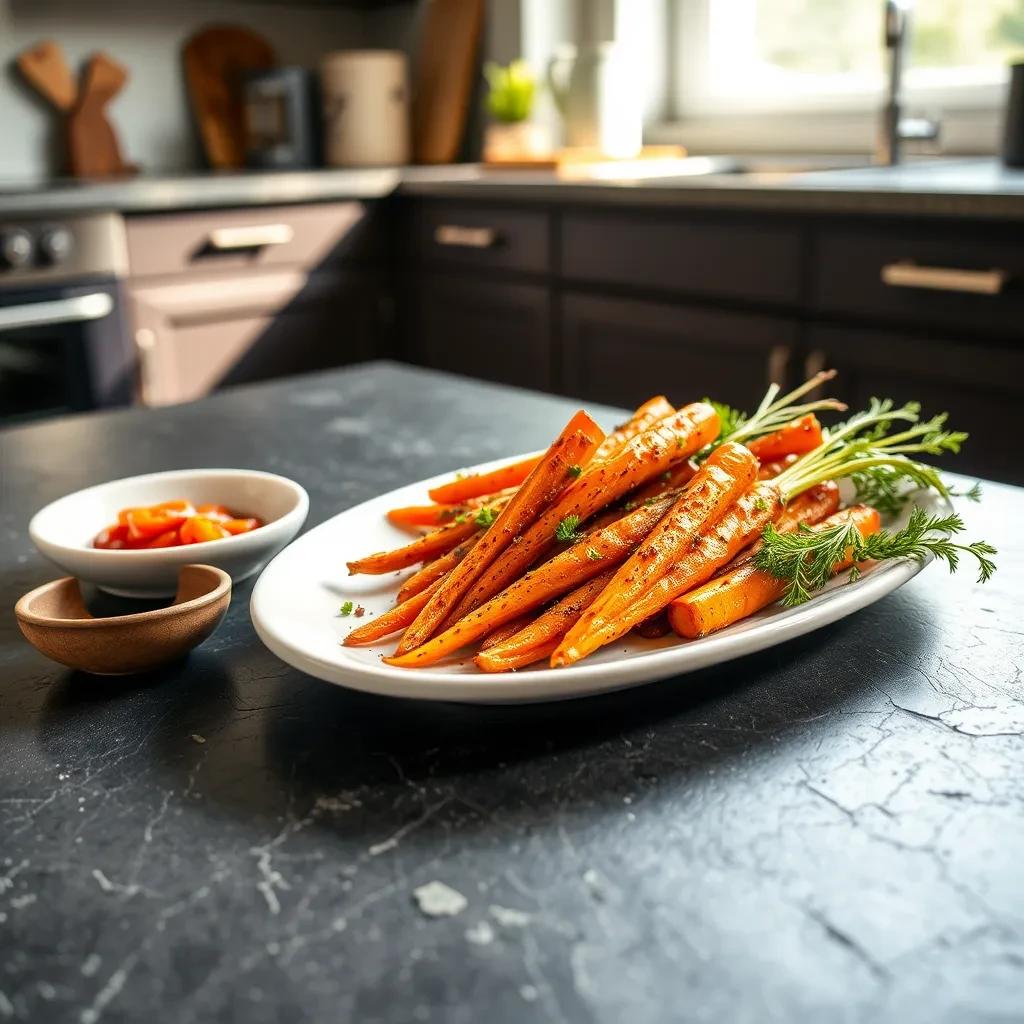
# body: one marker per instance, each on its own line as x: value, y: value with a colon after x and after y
x: 295, y: 610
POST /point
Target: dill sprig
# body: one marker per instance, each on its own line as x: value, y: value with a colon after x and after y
x: 806, y: 559
x: 773, y: 412
x: 567, y: 529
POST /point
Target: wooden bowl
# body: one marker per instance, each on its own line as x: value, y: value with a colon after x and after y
x: 56, y: 622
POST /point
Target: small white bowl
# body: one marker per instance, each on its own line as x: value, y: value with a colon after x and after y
x: 64, y: 530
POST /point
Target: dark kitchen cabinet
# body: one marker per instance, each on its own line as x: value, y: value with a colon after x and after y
x: 621, y: 351
x: 499, y: 332
x: 978, y: 386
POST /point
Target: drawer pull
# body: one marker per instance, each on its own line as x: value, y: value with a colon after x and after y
x: 944, y: 279
x: 465, y: 238
x: 254, y: 236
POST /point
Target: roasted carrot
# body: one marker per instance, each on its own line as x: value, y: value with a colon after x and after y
x: 712, y: 548
x: 646, y: 416
x: 671, y: 480
x: 539, y: 638
x: 502, y: 633
x: 794, y: 438
x: 588, y: 557
x: 463, y: 488
x: 810, y: 507
x: 770, y: 470
x: 724, y: 476
x: 573, y: 448
x: 425, y: 515
x: 392, y: 620
x: 434, y: 570
x: 653, y: 451
x: 433, y: 545
x: 746, y: 590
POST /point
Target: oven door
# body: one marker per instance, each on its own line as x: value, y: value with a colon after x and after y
x: 63, y: 349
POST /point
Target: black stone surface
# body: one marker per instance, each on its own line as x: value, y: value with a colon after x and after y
x: 831, y: 830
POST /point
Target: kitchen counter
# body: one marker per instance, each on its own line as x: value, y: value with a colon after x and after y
x: 951, y: 187
x: 829, y: 830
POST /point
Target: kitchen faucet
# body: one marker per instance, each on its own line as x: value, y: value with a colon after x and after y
x: 893, y: 127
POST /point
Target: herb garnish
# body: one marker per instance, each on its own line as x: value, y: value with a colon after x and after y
x: 566, y: 529
x: 346, y: 608
x: 574, y: 470
x: 806, y: 558
x: 594, y: 555
x: 485, y: 517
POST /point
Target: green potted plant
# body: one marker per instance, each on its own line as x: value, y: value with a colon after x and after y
x: 512, y: 137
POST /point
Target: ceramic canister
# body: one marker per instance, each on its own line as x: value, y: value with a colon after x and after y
x: 366, y: 107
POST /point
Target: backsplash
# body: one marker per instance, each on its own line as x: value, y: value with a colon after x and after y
x: 151, y: 115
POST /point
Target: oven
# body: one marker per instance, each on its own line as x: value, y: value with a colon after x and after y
x: 64, y: 341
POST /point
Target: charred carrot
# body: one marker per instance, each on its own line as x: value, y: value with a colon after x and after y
x: 724, y: 476
x: 573, y: 448
x: 587, y: 558
x: 433, y: 545
x: 474, y: 485
x: 502, y: 633
x: 434, y: 570
x: 671, y: 480
x: 425, y: 515
x: 795, y: 438
x: 714, y: 547
x: 392, y: 620
x: 746, y: 590
x: 648, y: 455
x: 539, y: 638
x: 646, y: 416
x: 809, y: 507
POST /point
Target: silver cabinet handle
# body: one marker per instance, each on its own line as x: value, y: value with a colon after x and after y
x: 253, y: 236
x: 145, y: 345
x: 464, y: 237
x: 78, y: 309
x: 944, y: 279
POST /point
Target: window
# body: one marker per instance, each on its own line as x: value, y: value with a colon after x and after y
x: 750, y: 55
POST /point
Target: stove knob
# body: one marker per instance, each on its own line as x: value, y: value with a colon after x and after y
x: 15, y: 248
x: 55, y: 245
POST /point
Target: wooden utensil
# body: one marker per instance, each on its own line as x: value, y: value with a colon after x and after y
x: 93, y: 150
x: 446, y: 71
x: 56, y: 622
x: 45, y: 68
x: 215, y: 60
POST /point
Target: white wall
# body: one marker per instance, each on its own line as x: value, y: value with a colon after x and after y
x: 151, y: 114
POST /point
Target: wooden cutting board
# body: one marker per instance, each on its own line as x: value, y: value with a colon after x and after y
x: 46, y: 69
x: 93, y: 150
x: 445, y: 75
x: 216, y: 59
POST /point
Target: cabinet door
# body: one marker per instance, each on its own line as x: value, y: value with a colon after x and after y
x: 499, y: 332
x: 621, y: 351
x: 194, y: 336
x: 977, y: 384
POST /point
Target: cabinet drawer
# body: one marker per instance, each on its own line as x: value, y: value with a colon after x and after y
x: 223, y: 240
x: 923, y: 276
x: 480, y: 237
x: 498, y: 332
x: 977, y: 384
x: 621, y: 351
x: 697, y: 256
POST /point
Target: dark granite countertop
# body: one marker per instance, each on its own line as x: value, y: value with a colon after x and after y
x: 830, y: 830
x: 947, y: 187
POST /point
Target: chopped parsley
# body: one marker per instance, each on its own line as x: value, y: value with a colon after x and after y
x: 346, y: 608
x: 594, y: 555
x: 761, y: 505
x: 566, y: 529
x: 574, y: 470
x: 461, y: 517
x: 485, y: 517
